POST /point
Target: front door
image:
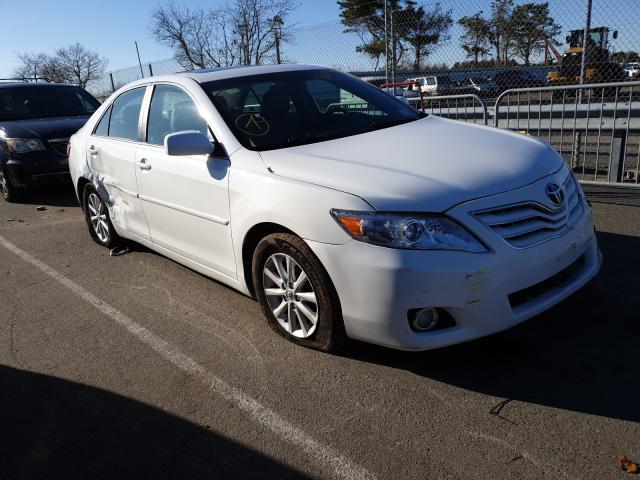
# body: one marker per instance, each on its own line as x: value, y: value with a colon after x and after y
x: 185, y: 198
x: 111, y: 153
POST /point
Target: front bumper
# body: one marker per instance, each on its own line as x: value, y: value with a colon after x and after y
x: 483, y: 292
x: 38, y: 171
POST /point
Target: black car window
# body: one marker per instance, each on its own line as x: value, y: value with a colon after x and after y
x: 103, y: 126
x: 44, y: 101
x: 277, y: 110
x: 125, y: 114
x: 172, y: 110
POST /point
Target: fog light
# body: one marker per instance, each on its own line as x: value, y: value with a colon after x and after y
x: 425, y: 319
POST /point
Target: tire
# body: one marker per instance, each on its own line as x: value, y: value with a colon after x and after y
x: 327, y: 334
x: 97, y: 217
x: 9, y: 192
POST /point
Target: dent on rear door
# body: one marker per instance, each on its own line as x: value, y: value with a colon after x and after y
x: 113, y: 170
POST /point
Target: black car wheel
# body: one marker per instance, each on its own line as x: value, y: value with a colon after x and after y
x: 9, y: 192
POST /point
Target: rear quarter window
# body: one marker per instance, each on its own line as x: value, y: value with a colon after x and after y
x: 125, y: 114
x: 102, y: 128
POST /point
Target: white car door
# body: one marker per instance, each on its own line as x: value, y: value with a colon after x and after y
x: 185, y: 198
x: 111, y: 152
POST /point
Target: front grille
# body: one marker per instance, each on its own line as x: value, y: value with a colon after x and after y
x: 525, y: 224
x: 60, y: 145
x: 531, y: 293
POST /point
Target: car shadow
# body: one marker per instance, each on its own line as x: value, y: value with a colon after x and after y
x: 54, y: 428
x: 61, y: 195
x: 581, y: 355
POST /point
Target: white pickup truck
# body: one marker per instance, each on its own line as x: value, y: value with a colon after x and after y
x: 432, y: 85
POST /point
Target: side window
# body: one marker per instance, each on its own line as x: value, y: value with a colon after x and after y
x: 172, y: 110
x: 431, y: 81
x: 103, y: 126
x: 125, y: 114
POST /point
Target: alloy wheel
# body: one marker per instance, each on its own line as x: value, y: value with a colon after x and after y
x: 3, y: 184
x: 98, y: 217
x: 290, y: 295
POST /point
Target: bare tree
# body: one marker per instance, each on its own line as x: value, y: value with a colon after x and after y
x: 246, y: 32
x: 190, y: 33
x: 79, y: 65
x: 39, y: 66
x: 32, y: 65
x: 258, y: 25
x: 73, y: 64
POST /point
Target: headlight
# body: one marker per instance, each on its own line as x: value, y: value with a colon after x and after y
x: 24, y: 145
x: 417, y: 232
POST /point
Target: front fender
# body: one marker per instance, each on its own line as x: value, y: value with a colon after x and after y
x: 257, y: 196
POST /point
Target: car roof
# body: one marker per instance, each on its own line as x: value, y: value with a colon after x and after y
x: 211, y: 74
x: 33, y: 84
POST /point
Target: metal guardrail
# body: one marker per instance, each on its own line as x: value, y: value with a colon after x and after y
x: 467, y: 108
x: 594, y: 127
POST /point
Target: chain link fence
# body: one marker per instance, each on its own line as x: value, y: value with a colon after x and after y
x: 109, y: 83
x: 455, y: 47
x: 486, y: 61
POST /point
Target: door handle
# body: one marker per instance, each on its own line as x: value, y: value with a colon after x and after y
x: 93, y: 150
x: 142, y: 163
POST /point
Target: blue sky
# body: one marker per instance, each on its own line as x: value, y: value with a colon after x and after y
x: 110, y: 27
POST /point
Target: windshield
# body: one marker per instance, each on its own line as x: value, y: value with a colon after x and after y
x: 23, y: 103
x: 285, y: 109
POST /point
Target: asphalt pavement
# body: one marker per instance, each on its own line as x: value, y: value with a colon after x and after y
x: 133, y: 366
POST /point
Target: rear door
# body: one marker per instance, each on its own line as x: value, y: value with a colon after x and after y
x: 185, y: 198
x: 111, y: 154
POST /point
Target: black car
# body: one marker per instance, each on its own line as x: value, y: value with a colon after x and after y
x: 508, y: 79
x: 481, y: 86
x: 36, y: 121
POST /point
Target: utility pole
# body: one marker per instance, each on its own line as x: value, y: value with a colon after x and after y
x: 585, y: 35
x: 139, y: 62
x: 393, y: 51
x: 386, y: 45
x: 277, y: 33
x: 575, y: 157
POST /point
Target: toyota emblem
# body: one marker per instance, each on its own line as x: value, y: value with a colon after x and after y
x: 555, y: 194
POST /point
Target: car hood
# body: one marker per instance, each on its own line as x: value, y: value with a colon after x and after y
x: 47, y: 128
x: 429, y: 165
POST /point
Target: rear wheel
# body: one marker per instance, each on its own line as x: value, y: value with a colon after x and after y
x: 97, y: 217
x: 9, y: 192
x: 295, y: 293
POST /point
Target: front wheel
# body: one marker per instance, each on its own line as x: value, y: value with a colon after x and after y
x: 9, y: 192
x: 97, y: 217
x: 295, y: 293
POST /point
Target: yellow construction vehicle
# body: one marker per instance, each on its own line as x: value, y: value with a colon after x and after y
x: 599, y: 67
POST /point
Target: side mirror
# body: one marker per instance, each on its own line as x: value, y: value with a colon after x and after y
x: 188, y: 142
x: 567, y: 39
x: 615, y: 35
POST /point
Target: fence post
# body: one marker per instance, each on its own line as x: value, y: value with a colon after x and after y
x: 616, y: 161
x: 113, y: 86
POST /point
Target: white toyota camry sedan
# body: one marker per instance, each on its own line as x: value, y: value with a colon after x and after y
x: 344, y: 211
